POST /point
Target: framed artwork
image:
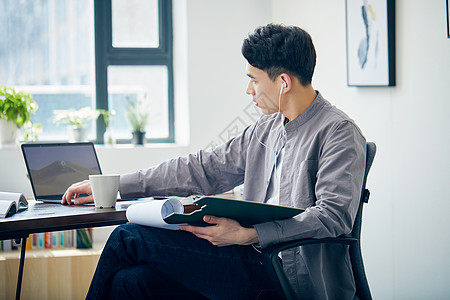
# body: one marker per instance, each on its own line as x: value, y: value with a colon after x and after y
x: 448, y: 20
x: 370, y: 29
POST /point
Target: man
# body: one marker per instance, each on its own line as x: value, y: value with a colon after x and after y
x: 302, y: 152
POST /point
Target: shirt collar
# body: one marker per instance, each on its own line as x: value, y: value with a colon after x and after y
x: 318, y: 103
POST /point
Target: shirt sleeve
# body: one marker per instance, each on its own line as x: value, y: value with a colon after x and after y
x: 206, y: 172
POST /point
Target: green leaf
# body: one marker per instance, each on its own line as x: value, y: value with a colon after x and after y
x: 16, y: 106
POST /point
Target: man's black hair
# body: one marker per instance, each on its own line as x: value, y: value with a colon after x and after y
x: 279, y: 49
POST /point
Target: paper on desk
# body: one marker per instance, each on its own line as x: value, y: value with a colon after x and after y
x: 153, y: 212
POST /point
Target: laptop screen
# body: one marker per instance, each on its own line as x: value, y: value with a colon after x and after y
x: 52, y: 168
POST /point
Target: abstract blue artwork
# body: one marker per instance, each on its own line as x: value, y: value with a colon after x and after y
x: 370, y: 26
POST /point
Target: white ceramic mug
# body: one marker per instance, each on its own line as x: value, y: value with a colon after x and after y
x: 105, y: 189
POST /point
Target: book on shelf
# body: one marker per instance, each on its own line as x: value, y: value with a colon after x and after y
x: 171, y: 212
x: 61, y: 239
x: 84, y: 238
x: 40, y: 239
x: 33, y: 240
x: 69, y: 238
x: 10, y: 203
x: 49, y: 241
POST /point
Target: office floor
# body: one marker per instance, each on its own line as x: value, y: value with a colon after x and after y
x: 49, y: 274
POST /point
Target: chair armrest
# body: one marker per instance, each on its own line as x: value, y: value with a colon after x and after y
x: 273, y: 266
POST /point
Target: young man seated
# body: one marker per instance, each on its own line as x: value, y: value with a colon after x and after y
x: 303, y: 152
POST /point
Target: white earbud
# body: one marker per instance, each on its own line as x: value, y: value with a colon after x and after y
x: 282, y: 87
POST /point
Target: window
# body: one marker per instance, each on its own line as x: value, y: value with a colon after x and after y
x: 70, y: 54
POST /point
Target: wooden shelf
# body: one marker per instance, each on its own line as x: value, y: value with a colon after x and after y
x: 49, y: 273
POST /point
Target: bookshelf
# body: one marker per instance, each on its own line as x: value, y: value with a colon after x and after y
x: 49, y: 273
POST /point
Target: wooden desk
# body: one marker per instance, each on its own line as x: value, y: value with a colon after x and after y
x: 42, y: 217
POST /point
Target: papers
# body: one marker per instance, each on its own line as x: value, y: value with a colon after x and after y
x: 152, y: 213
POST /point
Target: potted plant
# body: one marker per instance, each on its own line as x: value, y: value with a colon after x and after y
x: 138, y: 118
x: 77, y: 119
x: 108, y: 116
x: 31, y: 131
x: 16, y: 109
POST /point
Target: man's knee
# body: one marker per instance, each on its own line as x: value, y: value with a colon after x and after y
x: 124, y: 231
x: 133, y: 282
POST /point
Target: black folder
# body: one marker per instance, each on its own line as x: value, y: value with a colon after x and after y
x: 247, y: 213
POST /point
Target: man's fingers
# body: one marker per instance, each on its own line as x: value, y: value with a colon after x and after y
x: 79, y: 183
x: 82, y: 187
x: 214, y: 220
x: 202, y: 232
x: 199, y: 232
x: 67, y: 198
x: 83, y: 200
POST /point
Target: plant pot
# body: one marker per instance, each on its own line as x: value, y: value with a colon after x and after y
x: 108, y: 137
x: 138, y: 138
x: 79, y: 134
x: 9, y: 133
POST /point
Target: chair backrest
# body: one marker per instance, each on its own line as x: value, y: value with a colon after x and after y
x: 275, y: 269
x: 362, y: 286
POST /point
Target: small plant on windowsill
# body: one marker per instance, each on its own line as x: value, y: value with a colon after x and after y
x: 16, y: 109
x: 138, y: 119
x: 77, y: 119
x: 108, y: 117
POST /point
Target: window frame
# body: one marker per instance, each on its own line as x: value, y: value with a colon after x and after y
x: 106, y: 55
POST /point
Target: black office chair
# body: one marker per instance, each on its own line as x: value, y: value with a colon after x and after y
x: 273, y: 264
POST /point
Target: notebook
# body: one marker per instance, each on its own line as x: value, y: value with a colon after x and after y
x: 53, y: 167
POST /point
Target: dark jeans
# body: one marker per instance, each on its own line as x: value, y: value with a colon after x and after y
x: 141, y: 262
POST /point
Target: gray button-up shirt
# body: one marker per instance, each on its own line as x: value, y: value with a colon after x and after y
x: 322, y: 172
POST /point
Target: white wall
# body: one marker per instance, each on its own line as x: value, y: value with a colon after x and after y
x: 217, y: 79
x: 405, y: 238
x: 405, y: 228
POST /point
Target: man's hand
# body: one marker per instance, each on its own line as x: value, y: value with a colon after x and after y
x: 225, y: 232
x: 83, y: 187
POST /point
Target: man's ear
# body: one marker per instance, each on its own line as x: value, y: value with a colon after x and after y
x: 286, y: 81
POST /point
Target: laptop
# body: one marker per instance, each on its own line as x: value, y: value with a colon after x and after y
x: 53, y: 167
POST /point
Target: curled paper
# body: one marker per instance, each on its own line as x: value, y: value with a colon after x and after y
x: 152, y: 213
